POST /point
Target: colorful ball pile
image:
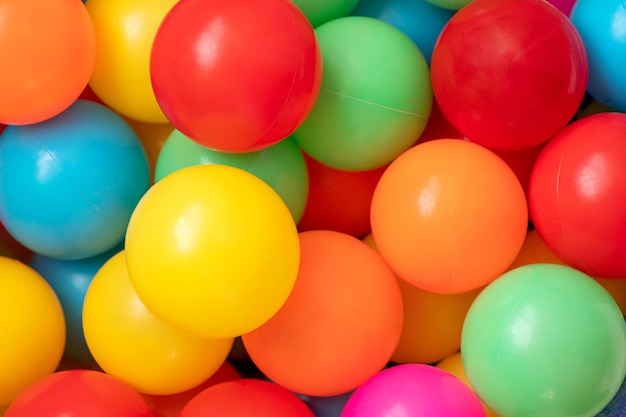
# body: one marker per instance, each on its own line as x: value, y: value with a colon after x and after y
x: 312, y: 208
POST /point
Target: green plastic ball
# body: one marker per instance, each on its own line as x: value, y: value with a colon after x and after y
x: 545, y: 340
x: 322, y: 11
x: 281, y: 166
x: 375, y: 98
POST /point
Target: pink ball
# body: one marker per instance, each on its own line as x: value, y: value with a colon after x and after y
x: 413, y: 390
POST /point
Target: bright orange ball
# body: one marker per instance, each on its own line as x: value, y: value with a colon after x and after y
x: 449, y: 216
x: 49, y: 51
x: 339, y: 326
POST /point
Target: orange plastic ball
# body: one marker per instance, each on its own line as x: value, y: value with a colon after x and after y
x: 339, y: 326
x: 49, y: 51
x: 449, y: 216
x: 432, y: 324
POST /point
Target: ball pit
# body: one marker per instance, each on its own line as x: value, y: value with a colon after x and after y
x: 191, y: 271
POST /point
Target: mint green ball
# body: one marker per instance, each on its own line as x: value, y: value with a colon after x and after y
x: 545, y: 340
x: 375, y: 98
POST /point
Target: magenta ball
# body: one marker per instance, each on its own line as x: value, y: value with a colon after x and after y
x: 413, y: 390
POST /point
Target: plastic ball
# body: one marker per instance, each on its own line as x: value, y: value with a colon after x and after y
x: 511, y: 84
x: 338, y: 200
x: 450, y: 4
x: 281, y: 166
x: 79, y: 393
x: 171, y: 405
x: 413, y: 390
x: 545, y: 340
x: 375, y: 98
x: 322, y: 11
x: 600, y: 27
x: 339, y: 326
x: 617, y: 405
x: 449, y: 216
x: 577, y: 193
x: 246, y: 397
x: 70, y: 280
x: 236, y: 75
x: 49, y: 49
x: 163, y: 359
x: 153, y: 137
x: 124, y: 32
x: 212, y: 250
x: 68, y: 185
x: 432, y: 323
x: 418, y: 19
x: 453, y: 364
x: 33, y: 328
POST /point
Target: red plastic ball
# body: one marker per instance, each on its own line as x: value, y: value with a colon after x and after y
x: 244, y: 398
x: 509, y: 74
x: 236, y: 75
x: 81, y: 393
x: 577, y: 194
x: 339, y: 200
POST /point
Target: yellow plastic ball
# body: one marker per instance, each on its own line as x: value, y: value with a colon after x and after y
x: 125, y: 31
x: 32, y: 328
x: 130, y: 343
x: 213, y: 250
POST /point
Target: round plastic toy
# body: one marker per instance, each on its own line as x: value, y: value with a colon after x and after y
x: 124, y: 32
x: 152, y: 136
x: 79, y: 393
x: 600, y: 28
x: 246, y: 397
x: 418, y: 19
x: 212, y: 250
x: 70, y: 280
x: 339, y: 200
x: 545, y: 340
x: 375, y: 98
x: 69, y: 185
x: 33, y: 328
x: 281, y: 166
x: 450, y: 4
x: 163, y: 360
x: 509, y: 75
x: 432, y: 323
x: 322, y: 11
x: 49, y: 51
x: 339, y: 326
x: 577, y: 191
x: 454, y: 365
x: 449, y: 216
x: 171, y: 405
x: 417, y: 390
x: 236, y: 75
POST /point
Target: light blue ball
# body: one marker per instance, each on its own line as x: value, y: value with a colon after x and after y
x: 602, y: 28
x: 69, y: 185
x: 419, y: 20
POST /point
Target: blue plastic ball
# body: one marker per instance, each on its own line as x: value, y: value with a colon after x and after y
x: 419, y: 20
x: 70, y: 281
x: 602, y: 28
x: 69, y: 185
